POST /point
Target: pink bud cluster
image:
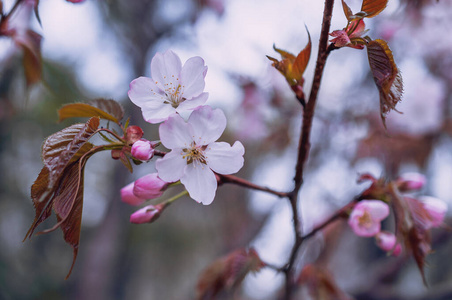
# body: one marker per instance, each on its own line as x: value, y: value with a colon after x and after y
x: 143, y: 150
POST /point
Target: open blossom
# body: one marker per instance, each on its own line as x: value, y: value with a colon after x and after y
x: 366, y: 217
x: 142, y: 150
x: 195, y: 155
x: 172, y: 88
x: 387, y: 241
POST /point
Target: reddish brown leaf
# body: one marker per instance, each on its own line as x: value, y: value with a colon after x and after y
x: 59, y: 148
x: 386, y: 76
x: 301, y: 62
x: 227, y: 272
x: 292, y: 67
x: 104, y: 109
x: 320, y: 284
x: 411, y: 227
x: 32, y: 61
x: 373, y: 7
x: 347, y: 11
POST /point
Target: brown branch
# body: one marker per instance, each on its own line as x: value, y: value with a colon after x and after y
x: 245, y: 183
x: 304, y: 144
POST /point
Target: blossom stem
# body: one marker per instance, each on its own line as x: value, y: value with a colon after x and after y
x: 305, y: 145
x: 174, y: 198
x: 245, y: 183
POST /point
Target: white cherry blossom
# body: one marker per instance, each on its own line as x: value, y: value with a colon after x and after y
x: 172, y: 88
x: 195, y: 155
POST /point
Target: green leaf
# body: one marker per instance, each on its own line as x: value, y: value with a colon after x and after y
x: 371, y: 8
x: 386, y: 76
x: 102, y: 108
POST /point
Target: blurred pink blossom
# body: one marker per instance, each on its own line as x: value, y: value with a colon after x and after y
x: 172, y: 88
x: 195, y: 155
x: 411, y: 181
x: 366, y: 217
x: 436, y: 209
x: 387, y: 241
x: 142, y: 150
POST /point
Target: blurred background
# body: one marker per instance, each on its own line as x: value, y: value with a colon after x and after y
x: 93, y: 49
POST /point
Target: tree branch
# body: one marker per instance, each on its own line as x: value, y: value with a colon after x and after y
x: 304, y: 144
x: 245, y: 183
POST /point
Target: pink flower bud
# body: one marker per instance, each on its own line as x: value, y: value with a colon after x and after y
x: 147, y: 214
x: 128, y: 197
x: 149, y: 186
x: 366, y: 217
x: 142, y: 150
x: 388, y: 242
x: 436, y: 209
x: 411, y: 181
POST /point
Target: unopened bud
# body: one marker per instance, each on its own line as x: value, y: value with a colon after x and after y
x: 149, y: 186
x: 411, y: 181
x: 147, y: 214
x: 436, y: 209
x: 127, y: 195
x: 133, y: 134
x: 388, y: 242
x: 142, y: 150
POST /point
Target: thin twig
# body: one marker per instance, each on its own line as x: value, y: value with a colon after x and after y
x: 250, y: 185
x: 304, y: 144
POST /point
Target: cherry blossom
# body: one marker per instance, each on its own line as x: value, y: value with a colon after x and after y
x: 366, y: 217
x: 387, y: 241
x: 147, y: 214
x: 195, y: 155
x: 172, y: 88
x: 411, y: 181
x: 436, y: 209
x: 149, y: 186
x: 127, y: 195
x: 142, y: 150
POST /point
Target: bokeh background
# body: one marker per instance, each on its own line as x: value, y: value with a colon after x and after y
x: 95, y: 48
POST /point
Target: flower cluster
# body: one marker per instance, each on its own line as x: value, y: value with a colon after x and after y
x: 366, y: 216
x: 195, y: 156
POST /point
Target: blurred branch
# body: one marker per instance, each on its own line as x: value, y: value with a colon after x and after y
x: 304, y: 144
x: 245, y: 183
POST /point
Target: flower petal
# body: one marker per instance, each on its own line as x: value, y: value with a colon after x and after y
x: 175, y: 133
x: 154, y: 112
x: 143, y: 90
x: 165, y: 69
x: 200, y: 182
x: 193, y: 102
x: 192, y: 77
x: 207, y: 124
x: 377, y: 209
x: 224, y: 159
x: 170, y: 168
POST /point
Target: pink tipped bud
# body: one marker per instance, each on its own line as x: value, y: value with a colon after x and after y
x: 142, y: 150
x: 436, y: 209
x: 366, y: 217
x: 149, y: 186
x: 128, y: 197
x: 388, y: 242
x: 147, y: 214
x: 411, y: 181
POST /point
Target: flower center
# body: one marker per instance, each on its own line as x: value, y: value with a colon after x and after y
x: 365, y: 220
x: 194, y: 154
